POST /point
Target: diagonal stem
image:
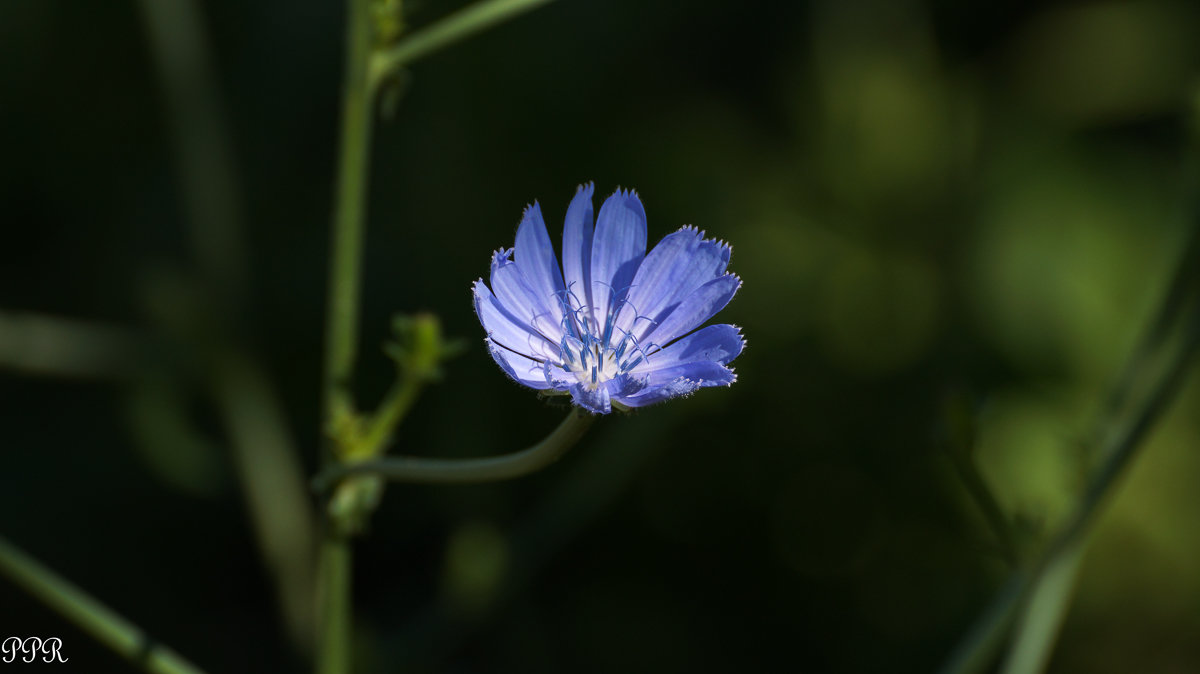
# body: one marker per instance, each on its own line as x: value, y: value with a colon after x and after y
x: 93, y: 617
x: 1157, y: 365
x: 1048, y: 595
x: 391, y: 411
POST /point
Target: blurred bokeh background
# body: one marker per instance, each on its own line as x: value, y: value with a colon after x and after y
x: 952, y: 221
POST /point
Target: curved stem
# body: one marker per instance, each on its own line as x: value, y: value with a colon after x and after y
x: 93, y: 617
x: 459, y: 25
x: 461, y: 471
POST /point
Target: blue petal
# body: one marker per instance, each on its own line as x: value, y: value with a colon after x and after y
x: 558, y: 378
x: 501, y: 257
x: 617, y: 250
x: 629, y: 384
x: 677, y: 265
x: 520, y: 301
x: 716, y: 343
x: 596, y: 400
x: 577, y: 247
x: 534, y: 255
x: 680, y: 380
x: 523, y: 370
x: 507, y: 330
x: 699, y: 306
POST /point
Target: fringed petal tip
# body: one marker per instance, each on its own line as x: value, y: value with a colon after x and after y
x: 722, y: 244
x: 501, y: 256
x: 629, y: 198
x: 535, y: 208
x: 741, y: 346
x: 476, y: 294
x: 741, y: 349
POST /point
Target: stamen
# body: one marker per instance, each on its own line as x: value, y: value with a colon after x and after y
x: 621, y: 348
x: 593, y: 356
x: 608, y: 327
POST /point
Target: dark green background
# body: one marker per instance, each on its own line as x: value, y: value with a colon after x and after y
x: 935, y: 207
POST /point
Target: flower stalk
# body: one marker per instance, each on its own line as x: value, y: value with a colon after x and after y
x: 463, y: 471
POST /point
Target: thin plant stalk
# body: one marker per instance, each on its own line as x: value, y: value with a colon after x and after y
x: 90, y: 615
x: 363, y: 77
x: 1156, y: 367
x: 334, y: 567
x: 463, y: 471
x: 460, y: 25
x: 345, y: 269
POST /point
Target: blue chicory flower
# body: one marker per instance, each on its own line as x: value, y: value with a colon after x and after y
x: 615, y: 328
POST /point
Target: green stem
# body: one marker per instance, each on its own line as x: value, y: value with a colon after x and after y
x: 458, y: 471
x: 335, y: 568
x: 345, y: 269
x: 1053, y: 570
x: 345, y: 274
x: 391, y: 412
x: 466, y: 22
x: 1048, y: 595
x: 1158, y: 366
x: 82, y: 609
x: 1038, y: 625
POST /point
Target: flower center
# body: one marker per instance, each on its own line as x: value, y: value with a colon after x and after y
x: 595, y: 357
